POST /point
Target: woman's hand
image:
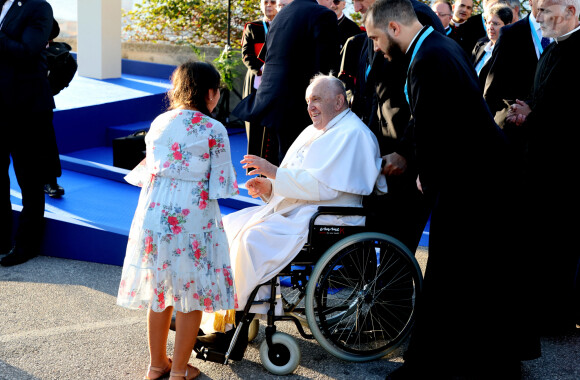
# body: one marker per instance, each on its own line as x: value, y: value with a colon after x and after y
x: 518, y: 113
x: 260, y: 165
x: 259, y: 187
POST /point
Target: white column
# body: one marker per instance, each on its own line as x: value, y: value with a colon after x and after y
x: 99, y: 38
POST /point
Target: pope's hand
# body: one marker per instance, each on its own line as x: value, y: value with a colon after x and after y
x: 258, y: 187
x: 260, y: 165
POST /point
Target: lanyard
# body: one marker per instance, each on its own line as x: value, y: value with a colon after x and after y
x: 536, y: 38
x: 448, y: 31
x: 417, y: 46
x: 265, y: 27
x: 483, y: 21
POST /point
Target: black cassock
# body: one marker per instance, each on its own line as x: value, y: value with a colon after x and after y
x: 474, y: 292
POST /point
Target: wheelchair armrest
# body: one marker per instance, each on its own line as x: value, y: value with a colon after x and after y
x: 337, y: 210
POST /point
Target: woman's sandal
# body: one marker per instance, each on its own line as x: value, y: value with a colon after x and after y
x: 190, y: 370
x: 162, y: 371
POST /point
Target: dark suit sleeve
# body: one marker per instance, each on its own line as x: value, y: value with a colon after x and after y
x: 325, y: 42
x: 249, y: 56
x: 39, y: 22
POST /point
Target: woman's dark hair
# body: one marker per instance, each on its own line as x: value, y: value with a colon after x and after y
x: 191, y: 82
x: 502, y: 11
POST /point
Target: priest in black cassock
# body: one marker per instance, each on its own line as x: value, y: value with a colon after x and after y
x: 551, y: 121
x: 301, y: 42
x: 472, y: 291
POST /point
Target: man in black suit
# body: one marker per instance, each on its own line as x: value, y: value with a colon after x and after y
x: 301, y: 42
x: 26, y: 105
x: 468, y: 29
x: 253, y: 40
x: 550, y: 120
x: 379, y: 100
x: 468, y: 300
x: 346, y: 27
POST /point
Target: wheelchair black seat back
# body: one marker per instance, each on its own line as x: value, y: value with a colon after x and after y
x: 354, y: 289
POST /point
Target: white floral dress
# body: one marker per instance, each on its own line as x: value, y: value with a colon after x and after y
x: 177, y: 253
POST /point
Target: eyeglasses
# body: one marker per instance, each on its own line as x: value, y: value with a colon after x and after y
x: 336, y: 2
x: 495, y: 24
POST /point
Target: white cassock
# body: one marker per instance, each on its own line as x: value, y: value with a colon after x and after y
x: 335, y: 166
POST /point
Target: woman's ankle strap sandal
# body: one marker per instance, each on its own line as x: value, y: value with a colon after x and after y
x: 189, y: 374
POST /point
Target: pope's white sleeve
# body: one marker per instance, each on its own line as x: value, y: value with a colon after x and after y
x: 300, y: 184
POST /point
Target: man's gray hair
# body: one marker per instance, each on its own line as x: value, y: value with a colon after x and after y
x: 336, y: 84
x: 382, y: 12
x: 574, y: 3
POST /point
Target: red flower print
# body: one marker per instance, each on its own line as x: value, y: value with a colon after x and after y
x: 197, y: 253
x: 148, y: 240
x: 222, y: 179
x: 196, y: 119
x: 196, y: 296
x: 195, y: 244
x: 175, y: 147
x: 176, y: 229
x: 166, y: 164
x: 177, y: 155
x: 204, y: 195
x: 172, y: 220
x: 202, y: 205
x: 207, y: 302
x: 212, y: 143
x: 185, y: 211
x: 209, y: 125
x: 148, y: 249
x: 217, y: 297
x: 206, y: 155
x: 187, y: 285
x: 165, y: 266
x: 152, y: 205
x: 226, y: 272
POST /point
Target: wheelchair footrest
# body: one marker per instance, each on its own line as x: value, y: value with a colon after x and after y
x: 207, y: 354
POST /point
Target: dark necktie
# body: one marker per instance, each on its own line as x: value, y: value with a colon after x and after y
x: 545, y: 42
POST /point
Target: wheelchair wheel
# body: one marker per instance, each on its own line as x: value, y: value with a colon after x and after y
x: 283, y: 357
x: 361, y: 296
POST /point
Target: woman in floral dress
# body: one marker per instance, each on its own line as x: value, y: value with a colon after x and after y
x: 177, y: 253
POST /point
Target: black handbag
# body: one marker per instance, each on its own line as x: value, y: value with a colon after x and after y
x: 128, y: 151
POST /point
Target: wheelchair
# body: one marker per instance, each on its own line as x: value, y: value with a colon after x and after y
x: 354, y: 289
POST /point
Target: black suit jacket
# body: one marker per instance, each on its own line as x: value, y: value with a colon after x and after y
x: 253, y: 41
x: 379, y: 100
x: 511, y: 70
x: 470, y: 139
x: 476, y: 56
x: 23, y: 70
x: 301, y: 42
x: 468, y: 33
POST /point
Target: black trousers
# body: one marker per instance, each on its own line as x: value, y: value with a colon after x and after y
x: 25, y: 144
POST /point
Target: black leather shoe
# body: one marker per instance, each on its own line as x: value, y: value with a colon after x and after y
x: 54, y: 190
x: 16, y: 257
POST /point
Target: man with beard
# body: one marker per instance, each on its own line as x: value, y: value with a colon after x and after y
x: 470, y: 300
x: 551, y: 125
x: 378, y: 99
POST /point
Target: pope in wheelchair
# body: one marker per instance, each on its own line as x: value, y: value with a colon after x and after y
x: 333, y: 162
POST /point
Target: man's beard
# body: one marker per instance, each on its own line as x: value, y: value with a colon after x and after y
x: 394, y: 52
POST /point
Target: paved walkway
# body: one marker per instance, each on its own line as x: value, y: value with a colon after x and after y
x: 58, y: 320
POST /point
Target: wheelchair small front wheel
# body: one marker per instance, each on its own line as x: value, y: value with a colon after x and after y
x: 284, y: 355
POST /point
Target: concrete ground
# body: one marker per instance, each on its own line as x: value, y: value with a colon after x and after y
x: 58, y: 320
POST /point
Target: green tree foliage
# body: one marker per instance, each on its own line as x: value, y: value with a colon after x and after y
x: 194, y: 22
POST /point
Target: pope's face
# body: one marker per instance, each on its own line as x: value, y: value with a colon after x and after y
x: 555, y: 19
x: 321, y: 104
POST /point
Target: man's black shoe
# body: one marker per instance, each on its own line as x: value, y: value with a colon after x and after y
x: 15, y: 257
x: 54, y: 190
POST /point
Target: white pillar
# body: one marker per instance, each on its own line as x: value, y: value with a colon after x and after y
x: 99, y: 38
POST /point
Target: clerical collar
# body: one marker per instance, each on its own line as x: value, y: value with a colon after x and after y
x: 341, y: 18
x: 564, y: 37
